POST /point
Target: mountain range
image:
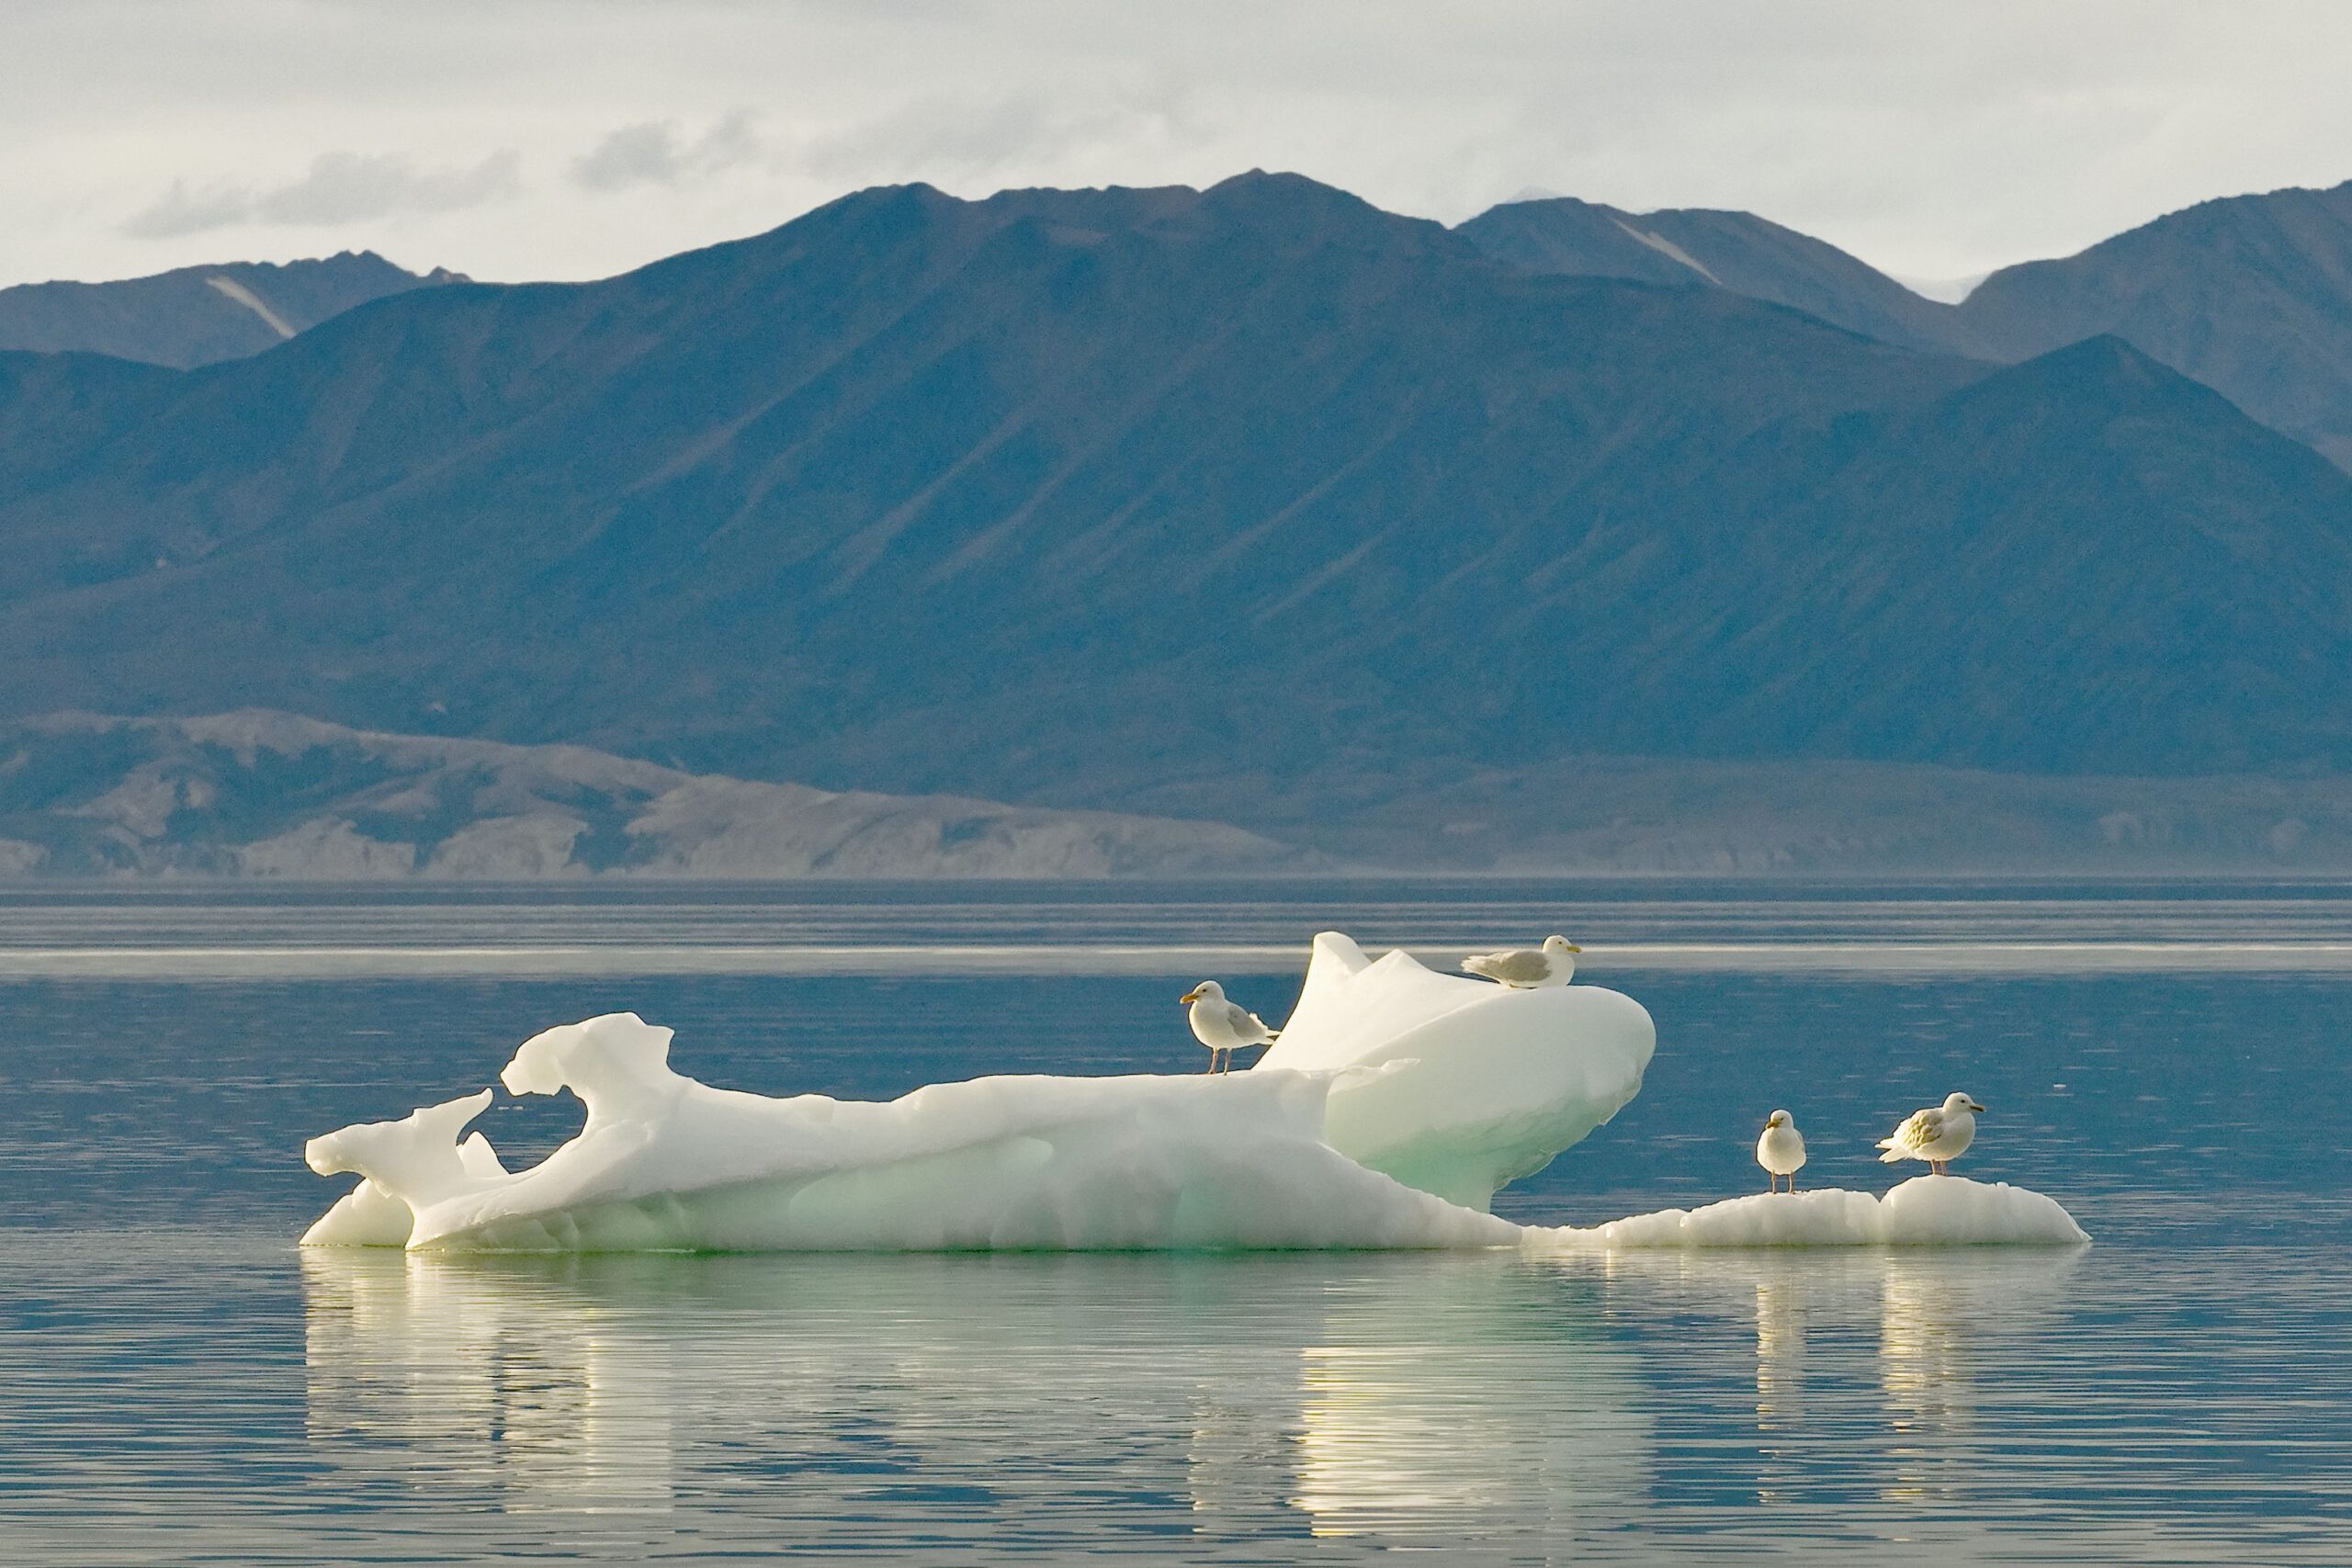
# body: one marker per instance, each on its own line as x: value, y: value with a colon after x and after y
x: 1258, y: 506
x: 198, y: 315
x: 2251, y: 295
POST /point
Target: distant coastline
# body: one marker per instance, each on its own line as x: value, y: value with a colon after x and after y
x: 259, y: 795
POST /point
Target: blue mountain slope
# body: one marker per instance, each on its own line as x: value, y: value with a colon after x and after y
x: 197, y: 315
x: 2250, y: 294
x: 1697, y: 248
x: 1071, y: 496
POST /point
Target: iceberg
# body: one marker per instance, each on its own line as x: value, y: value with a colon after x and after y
x: 634, y: 1382
x: 1454, y: 1086
x: 666, y: 1163
x: 421, y: 1157
x: 1926, y: 1211
x: 1396, y: 1105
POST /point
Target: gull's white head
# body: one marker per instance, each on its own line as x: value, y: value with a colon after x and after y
x: 1560, y: 944
x: 1206, y: 988
x: 1779, y: 1118
x: 1961, y: 1102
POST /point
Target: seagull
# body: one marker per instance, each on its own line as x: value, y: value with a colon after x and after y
x: 1223, y: 1026
x: 1780, y: 1151
x: 1529, y: 969
x: 1939, y: 1136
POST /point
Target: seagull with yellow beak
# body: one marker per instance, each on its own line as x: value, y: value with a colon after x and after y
x: 1939, y: 1135
x: 1527, y: 968
x: 1224, y: 1027
x: 1780, y: 1151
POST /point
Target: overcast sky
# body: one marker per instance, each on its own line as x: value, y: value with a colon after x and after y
x: 521, y: 139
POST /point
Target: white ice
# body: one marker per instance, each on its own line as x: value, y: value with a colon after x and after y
x: 1395, y: 1104
x: 667, y: 1163
x: 1926, y: 1211
x: 1398, y: 1103
x: 419, y: 1155
x: 1471, y: 1085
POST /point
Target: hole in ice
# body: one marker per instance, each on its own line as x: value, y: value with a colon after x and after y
x: 525, y: 1129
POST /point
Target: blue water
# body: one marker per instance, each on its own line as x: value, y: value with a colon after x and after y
x: 179, y: 1383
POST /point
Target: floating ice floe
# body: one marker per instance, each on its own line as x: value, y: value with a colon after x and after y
x: 421, y: 1158
x: 1926, y: 1211
x: 1459, y: 1087
x: 1396, y: 1102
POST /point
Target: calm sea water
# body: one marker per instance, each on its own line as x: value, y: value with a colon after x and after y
x: 179, y: 1383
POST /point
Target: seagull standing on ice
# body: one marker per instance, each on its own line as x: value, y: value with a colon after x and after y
x: 1939, y: 1135
x: 1223, y: 1026
x: 1529, y: 969
x: 1780, y: 1151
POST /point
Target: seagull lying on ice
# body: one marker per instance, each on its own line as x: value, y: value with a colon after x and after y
x: 1780, y: 1151
x: 1937, y: 1135
x: 1527, y: 968
x: 1223, y: 1026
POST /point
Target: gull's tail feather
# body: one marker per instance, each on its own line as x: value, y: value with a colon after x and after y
x: 1895, y: 1153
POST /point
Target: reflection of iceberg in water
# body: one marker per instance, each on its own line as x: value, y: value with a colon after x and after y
x: 1399, y: 1442
x: 1395, y: 1103
x: 428, y: 1374
x: 1238, y: 1462
x: 1942, y: 1322
x: 1894, y: 1346
x: 1265, y: 1396
x: 1924, y: 1354
x: 1779, y: 1351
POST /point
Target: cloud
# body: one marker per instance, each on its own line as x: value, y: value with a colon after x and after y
x: 654, y: 152
x: 1937, y: 139
x: 955, y: 139
x: 339, y: 187
x: 181, y: 211
x: 347, y: 187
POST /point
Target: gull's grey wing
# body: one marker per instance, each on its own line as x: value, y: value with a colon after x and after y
x: 1521, y: 967
x: 1921, y: 1127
